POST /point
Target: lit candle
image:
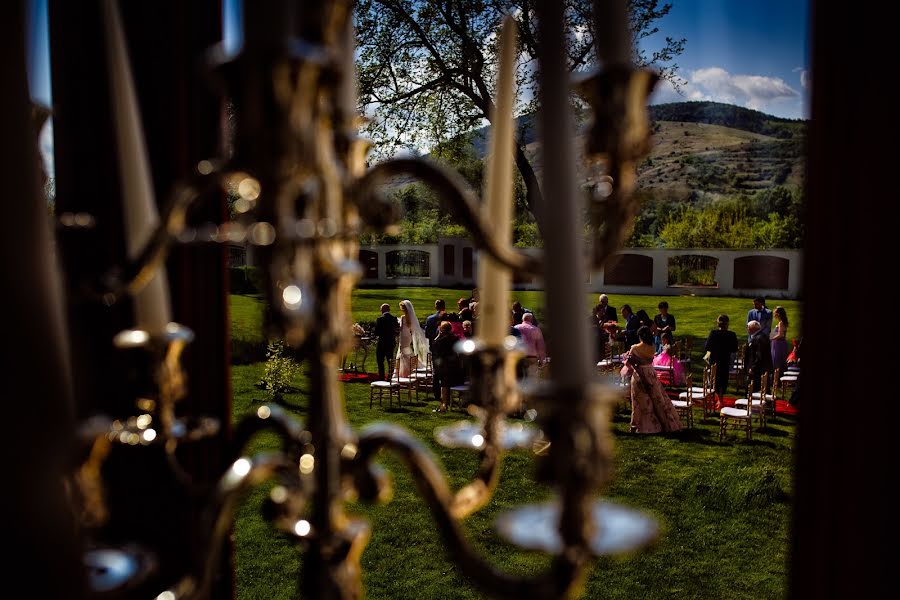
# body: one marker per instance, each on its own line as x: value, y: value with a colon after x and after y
x: 141, y: 218
x: 494, y: 280
x: 562, y: 222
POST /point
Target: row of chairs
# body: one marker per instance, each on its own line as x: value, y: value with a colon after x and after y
x: 421, y: 378
x: 761, y: 403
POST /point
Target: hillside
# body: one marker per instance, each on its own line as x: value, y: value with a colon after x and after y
x: 705, y: 147
x: 727, y: 115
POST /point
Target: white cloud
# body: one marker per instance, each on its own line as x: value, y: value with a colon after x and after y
x: 45, y: 143
x: 760, y: 92
x: 804, y: 79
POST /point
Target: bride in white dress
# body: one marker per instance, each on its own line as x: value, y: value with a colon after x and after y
x: 412, y: 339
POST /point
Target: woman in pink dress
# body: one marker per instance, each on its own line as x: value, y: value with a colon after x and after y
x: 667, y: 358
x: 651, y: 409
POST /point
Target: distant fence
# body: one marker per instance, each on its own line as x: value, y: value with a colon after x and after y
x: 453, y: 262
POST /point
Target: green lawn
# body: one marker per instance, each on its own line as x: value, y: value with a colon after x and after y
x: 722, y: 505
x: 695, y: 315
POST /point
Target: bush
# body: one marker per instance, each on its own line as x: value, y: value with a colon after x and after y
x: 280, y: 371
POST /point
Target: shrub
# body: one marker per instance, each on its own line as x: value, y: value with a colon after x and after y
x: 280, y: 371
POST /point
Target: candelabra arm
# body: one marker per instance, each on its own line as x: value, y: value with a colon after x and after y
x: 218, y: 515
x: 478, y: 492
x: 458, y: 198
x: 130, y: 278
x: 271, y: 417
x: 565, y: 572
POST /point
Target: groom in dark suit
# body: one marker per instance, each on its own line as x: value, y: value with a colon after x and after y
x: 758, y: 354
x: 386, y: 329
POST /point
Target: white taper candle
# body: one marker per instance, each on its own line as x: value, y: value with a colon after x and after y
x: 494, y: 280
x: 151, y: 305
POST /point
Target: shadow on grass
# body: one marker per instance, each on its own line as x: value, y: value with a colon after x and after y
x: 772, y: 432
x: 397, y: 410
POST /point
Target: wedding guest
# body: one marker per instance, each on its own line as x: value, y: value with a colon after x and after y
x: 651, y: 409
x: 518, y: 311
x: 757, y: 354
x: 432, y: 321
x: 465, y: 313
x: 532, y: 338
x: 468, y: 329
x: 632, y: 324
x: 605, y: 312
x: 667, y: 358
x: 760, y: 314
x: 721, y: 345
x: 664, y: 322
x: 447, y: 366
x: 779, y: 340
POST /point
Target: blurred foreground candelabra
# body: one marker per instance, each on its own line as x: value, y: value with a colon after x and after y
x: 303, y: 197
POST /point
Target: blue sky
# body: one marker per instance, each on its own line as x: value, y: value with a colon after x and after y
x: 753, y: 53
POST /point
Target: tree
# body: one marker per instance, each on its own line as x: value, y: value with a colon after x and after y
x: 426, y: 66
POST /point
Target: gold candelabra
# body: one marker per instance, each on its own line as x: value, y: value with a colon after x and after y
x: 304, y: 195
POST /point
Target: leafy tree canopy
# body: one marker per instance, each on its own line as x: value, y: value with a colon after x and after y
x: 426, y: 67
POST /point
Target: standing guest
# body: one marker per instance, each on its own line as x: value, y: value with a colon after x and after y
x: 664, y: 322
x: 651, y: 409
x: 473, y: 299
x: 473, y: 304
x: 455, y: 323
x: 447, y: 366
x: 601, y: 338
x: 432, y: 321
x: 721, y: 345
x: 532, y: 338
x: 644, y: 319
x: 431, y: 331
x: 667, y: 358
x: 518, y: 311
x: 761, y: 315
x: 632, y: 324
x: 757, y: 354
x: 412, y: 340
x: 605, y: 312
x: 779, y: 340
x: 465, y: 313
x: 386, y: 330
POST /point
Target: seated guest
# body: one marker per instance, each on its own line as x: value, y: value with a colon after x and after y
x: 668, y: 358
x: 468, y: 329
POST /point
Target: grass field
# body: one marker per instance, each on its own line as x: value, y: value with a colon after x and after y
x: 724, y: 507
